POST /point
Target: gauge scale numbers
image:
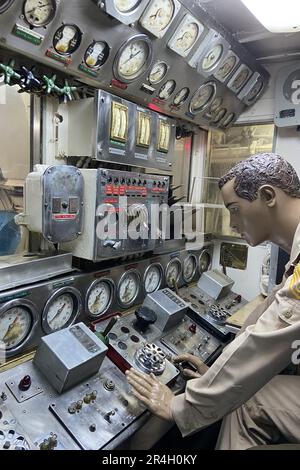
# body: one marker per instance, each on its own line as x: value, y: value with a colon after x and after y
x: 39, y: 13
x: 153, y: 278
x: 128, y: 288
x: 99, y: 298
x: 15, y: 325
x: 133, y: 58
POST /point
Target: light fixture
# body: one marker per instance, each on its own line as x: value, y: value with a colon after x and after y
x: 281, y: 16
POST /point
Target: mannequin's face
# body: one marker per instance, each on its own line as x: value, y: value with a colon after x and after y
x: 251, y: 220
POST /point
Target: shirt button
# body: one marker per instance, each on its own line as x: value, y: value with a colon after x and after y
x: 287, y: 313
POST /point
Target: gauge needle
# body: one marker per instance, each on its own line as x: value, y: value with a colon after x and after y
x: 159, y: 11
x: 131, y: 57
x: 12, y: 331
x: 58, y: 312
x: 96, y: 301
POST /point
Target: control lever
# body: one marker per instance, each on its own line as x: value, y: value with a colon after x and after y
x: 103, y: 334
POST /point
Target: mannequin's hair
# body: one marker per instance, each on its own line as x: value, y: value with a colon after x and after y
x: 260, y: 169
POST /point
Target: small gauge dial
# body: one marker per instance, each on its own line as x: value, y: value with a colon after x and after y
x: 61, y: 309
x: 212, y: 57
x: 189, y: 268
x: 158, y: 72
x: 5, y: 4
x: 158, y: 15
x: 181, y: 96
x: 167, y: 89
x: 99, y: 297
x: 255, y: 90
x: 96, y: 54
x: 15, y: 325
x: 219, y: 114
x: 39, y: 13
x: 67, y: 39
x: 215, y: 105
x: 153, y: 278
x: 204, y: 261
x: 227, y: 67
x: 125, y: 6
x: 133, y: 58
x: 128, y: 288
x: 202, y: 98
x: 240, y: 79
x: 173, y: 271
x: 228, y: 120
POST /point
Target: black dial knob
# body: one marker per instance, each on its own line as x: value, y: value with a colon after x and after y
x: 145, y: 317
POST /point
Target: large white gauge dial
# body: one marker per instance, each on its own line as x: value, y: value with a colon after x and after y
x: 167, y: 89
x: 61, y: 309
x: 153, y: 278
x: 212, y: 57
x: 99, y: 297
x: 15, y: 325
x: 39, y: 12
x: 158, y: 72
x: 181, y: 96
x: 128, y: 288
x: 202, y: 98
x: 173, y: 271
x: 158, y: 16
x: 189, y: 267
x: 124, y: 6
x: 133, y: 58
x: 185, y: 35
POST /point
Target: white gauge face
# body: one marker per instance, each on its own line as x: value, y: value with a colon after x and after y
x: 172, y: 273
x: 126, y: 5
x: 212, y: 57
x: 189, y: 268
x: 158, y: 72
x: 181, y: 96
x: 152, y: 279
x: 227, y: 67
x: 187, y: 36
x: 241, y: 79
x: 158, y: 15
x: 39, y: 12
x: 255, y: 90
x: 60, y: 311
x: 201, y: 98
x: 15, y: 325
x: 99, y: 298
x: 128, y: 288
x: 167, y: 89
x: 133, y: 59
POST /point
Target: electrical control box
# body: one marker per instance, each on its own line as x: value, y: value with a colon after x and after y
x: 169, y: 308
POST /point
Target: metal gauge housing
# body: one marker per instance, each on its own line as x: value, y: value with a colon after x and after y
x: 128, y: 288
x: 5, y: 4
x: 218, y: 115
x: 61, y: 309
x: 39, y: 13
x: 153, y: 277
x: 144, y: 129
x: 166, y: 90
x: 228, y: 120
x: 215, y: 105
x: 99, y: 297
x: 181, y: 96
x: 158, y: 72
x: 204, y: 261
x: 159, y: 15
x: 202, y: 98
x: 125, y: 11
x: 17, y: 321
x: 239, y: 79
x: 67, y: 39
x: 186, y: 35
x: 133, y: 58
x: 189, y: 268
x: 253, y: 89
x: 173, y: 271
x: 124, y: 6
x: 212, y: 57
x: 227, y: 66
x: 96, y: 54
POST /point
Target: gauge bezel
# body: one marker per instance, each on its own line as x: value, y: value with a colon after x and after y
x: 124, y: 275
x: 72, y: 25
x: 173, y: 90
x: 161, y: 79
x: 184, y: 100
x: 208, y: 103
x: 216, y: 122
x: 185, y: 21
x: 77, y: 307
x: 145, y: 67
x: 240, y: 69
x: 246, y: 90
x: 188, y: 257
x: 161, y: 271
x: 42, y: 25
x: 230, y: 121
x: 108, y: 281
x: 6, y: 5
x: 228, y: 75
x: 153, y: 30
x: 124, y: 17
x: 172, y: 261
x: 32, y: 310
x: 97, y: 67
x: 203, y: 252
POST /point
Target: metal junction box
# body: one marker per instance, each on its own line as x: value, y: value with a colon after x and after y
x: 215, y: 283
x: 170, y: 308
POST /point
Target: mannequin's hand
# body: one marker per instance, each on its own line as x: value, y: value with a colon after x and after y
x: 149, y: 391
x: 200, y: 367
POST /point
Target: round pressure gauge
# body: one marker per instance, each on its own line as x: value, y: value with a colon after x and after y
x: 166, y: 90
x: 5, y: 4
x: 158, y: 72
x: 173, y: 271
x: 187, y: 36
x: 189, y: 268
x: 96, y: 54
x: 215, y: 105
x: 125, y: 6
x: 219, y: 114
x: 99, y: 297
x: 158, y: 15
x: 228, y: 120
x: 212, y: 57
x: 17, y: 320
x: 39, y: 13
x: 204, y: 261
x: 241, y: 79
x: 128, y: 288
x: 67, y: 39
x: 227, y: 67
x: 203, y: 97
x: 133, y: 58
x: 153, y: 277
x: 61, y: 309
x: 255, y: 90
x: 181, y: 96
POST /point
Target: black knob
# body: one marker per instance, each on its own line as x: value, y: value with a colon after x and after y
x: 116, y: 180
x: 109, y: 179
x: 122, y: 180
x: 25, y: 383
x: 128, y: 181
x: 145, y: 317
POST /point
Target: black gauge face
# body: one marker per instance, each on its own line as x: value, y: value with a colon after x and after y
x: 39, y: 13
x: 228, y: 120
x: 255, y: 90
x: 202, y: 98
x: 5, y: 4
x: 67, y: 39
x: 96, y: 54
x: 167, y: 89
x: 133, y: 58
x: 181, y: 96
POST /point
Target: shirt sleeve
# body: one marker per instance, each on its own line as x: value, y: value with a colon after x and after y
x: 246, y: 365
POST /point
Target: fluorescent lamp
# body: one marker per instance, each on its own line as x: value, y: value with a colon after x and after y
x: 278, y: 16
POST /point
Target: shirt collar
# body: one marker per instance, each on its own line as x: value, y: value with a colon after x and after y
x: 295, y: 251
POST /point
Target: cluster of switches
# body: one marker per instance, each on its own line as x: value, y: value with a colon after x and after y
x: 76, y: 406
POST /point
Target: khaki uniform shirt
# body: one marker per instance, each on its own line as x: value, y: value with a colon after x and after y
x: 258, y: 353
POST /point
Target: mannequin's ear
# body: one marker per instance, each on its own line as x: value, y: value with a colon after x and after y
x: 267, y: 194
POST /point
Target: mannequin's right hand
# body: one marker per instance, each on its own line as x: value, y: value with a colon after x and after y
x: 184, y: 360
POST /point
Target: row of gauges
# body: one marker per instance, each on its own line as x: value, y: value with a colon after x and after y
x: 19, y: 317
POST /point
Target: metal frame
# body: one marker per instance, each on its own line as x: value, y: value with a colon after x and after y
x: 112, y: 285
x: 63, y: 290
x: 126, y: 18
